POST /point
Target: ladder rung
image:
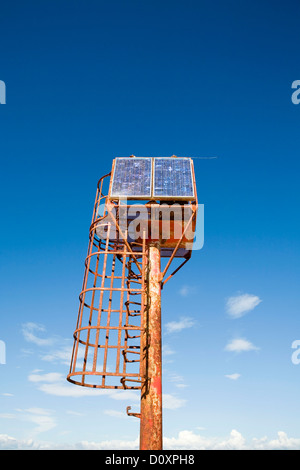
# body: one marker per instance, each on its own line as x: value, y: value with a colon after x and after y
x: 125, y: 352
x: 127, y: 336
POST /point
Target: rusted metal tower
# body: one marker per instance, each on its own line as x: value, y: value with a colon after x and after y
x: 147, y: 215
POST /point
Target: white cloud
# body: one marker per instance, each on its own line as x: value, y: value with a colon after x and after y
x: 177, y: 380
x: 131, y: 395
x: 283, y: 442
x: 115, y: 413
x: 233, y: 376
x: 109, y: 445
x: 60, y: 355
x: 54, y: 383
x: 74, y: 413
x: 172, y: 403
x: 41, y: 418
x: 184, y: 291
x: 30, y: 331
x: 239, y: 305
x: 7, y: 415
x: 190, y: 440
x: 240, y: 345
x: 187, y: 290
x: 235, y: 442
x: 185, y: 439
x: 176, y: 326
x: 59, y: 350
x: 167, y: 351
x: 51, y: 377
x: 10, y: 443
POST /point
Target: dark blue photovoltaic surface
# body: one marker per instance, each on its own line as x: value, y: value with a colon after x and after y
x: 173, y: 177
x: 132, y: 177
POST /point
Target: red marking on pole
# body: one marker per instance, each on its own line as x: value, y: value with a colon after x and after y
x: 157, y: 385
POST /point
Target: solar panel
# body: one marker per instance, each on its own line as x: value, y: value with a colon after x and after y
x: 159, y: 178
x: 132, y: 178
x: 173, y: 178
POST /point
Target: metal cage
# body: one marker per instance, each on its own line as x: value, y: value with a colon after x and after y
x: 117, y: 338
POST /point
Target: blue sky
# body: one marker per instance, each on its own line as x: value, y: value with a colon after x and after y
x: 87, y: 82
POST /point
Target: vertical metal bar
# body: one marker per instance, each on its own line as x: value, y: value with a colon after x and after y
x: 143, y: 306
x: 151, y: 395
x: 108, y: 318
x: 127, y: 303
x: 106, y: 252
x: 121, y: 307
x: 86, y: 352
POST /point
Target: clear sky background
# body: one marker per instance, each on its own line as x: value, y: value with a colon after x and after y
x: 87, y: 82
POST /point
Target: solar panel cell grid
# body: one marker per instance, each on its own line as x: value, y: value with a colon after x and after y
x: 133, y: 178
x: 172, y: 177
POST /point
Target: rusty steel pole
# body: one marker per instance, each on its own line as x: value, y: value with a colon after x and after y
x: 151, y: 393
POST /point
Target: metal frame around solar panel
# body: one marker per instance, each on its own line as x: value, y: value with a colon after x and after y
x: 152, y: 195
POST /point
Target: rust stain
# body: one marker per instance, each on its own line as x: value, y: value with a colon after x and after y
x: 151, y: 397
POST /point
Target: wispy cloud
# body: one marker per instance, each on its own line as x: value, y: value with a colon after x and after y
x: 167, y: 351
x: 115, y: 414
x: 187, y: 290
x: 51, y: 377
x: 170, y: 402
x: 233, y: 376
x: 55, y: 349
x: 181, y: 324
x: 60, y: 355
x: 74, y: 413
x: 184, y: 291
x: 7, y: 415
x: 30, y: 332
x: 240, y: 344
x: 54, y: 383
x: 177, y: 380
x: 40, y: 417
x: 239, y: 305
